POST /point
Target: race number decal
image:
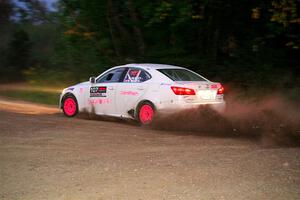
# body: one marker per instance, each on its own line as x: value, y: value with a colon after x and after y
x: 99, y: 91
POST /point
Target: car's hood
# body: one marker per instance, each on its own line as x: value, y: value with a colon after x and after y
x: 83, y: 83
x: 71, y: 88
x: 80, y: 84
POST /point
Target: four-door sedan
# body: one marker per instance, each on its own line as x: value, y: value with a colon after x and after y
x: 137, y: 91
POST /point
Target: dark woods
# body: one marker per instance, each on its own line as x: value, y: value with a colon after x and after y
x: 249, y: 44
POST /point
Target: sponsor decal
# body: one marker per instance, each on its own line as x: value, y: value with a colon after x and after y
x: 98, y: 91
x: 131, y: 93
x: 213, y: 86
x: 99, y: 101
x: 81, y: 90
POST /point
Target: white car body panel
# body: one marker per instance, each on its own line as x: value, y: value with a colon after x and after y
x: 119, y: 98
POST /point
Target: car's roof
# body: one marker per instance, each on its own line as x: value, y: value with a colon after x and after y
x: 152, y: 66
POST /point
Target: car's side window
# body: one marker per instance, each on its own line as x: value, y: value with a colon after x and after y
x: 144, y: 76
x: 136, y: 75
x: 111, y: 76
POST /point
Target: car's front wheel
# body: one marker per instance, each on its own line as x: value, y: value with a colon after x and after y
x: 70, y: 106
x: 145, y: 113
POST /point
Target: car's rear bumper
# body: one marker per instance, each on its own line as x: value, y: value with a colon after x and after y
x: 219, y: 106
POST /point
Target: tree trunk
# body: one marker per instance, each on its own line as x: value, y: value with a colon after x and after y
x: 214, y: 47
x: 114, y: 42
x: 116, y: 20
x: 137, y: 31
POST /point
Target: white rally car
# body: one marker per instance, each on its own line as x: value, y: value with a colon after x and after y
x: 137, y: 91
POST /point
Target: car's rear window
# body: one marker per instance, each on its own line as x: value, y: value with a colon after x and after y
x: 181, y: 75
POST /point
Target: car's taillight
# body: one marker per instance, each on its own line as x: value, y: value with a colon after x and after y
x: 183, y: 91
x: 220, y: 90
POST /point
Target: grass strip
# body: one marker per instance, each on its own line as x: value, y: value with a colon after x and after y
x: 50, y: 98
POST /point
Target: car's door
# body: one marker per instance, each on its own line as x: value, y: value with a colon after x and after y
x: 102, y: 94
x: 131, y: 90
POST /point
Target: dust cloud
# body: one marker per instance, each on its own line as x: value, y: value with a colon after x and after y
x: 272, y: 120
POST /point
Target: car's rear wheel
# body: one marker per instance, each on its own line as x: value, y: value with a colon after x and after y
x: 70, y: 106
x: 145, y: 113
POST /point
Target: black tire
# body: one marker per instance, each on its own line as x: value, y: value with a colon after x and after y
x: 73, y: 105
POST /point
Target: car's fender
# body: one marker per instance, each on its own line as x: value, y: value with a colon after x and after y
x: 155, y: 94
x: 78, y: 91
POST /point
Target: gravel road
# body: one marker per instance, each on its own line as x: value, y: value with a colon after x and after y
x: 44, y: 155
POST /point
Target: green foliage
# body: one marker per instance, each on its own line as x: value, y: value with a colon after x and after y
x: 33, y: 96
x: 6, y: 10
x: 17, y: 56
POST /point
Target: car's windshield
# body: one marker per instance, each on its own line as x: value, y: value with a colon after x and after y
x: 181, y: 75
x: 111, y: 76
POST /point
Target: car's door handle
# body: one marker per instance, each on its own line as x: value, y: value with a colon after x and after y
x: 111, y: 88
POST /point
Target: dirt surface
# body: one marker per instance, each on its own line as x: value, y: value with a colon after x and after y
x: 44, y: 155
x: 9, y: 105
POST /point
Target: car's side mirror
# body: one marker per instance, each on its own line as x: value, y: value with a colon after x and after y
x: 92, y: 80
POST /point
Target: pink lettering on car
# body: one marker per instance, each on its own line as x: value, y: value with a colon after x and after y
x: 99, y: 101
x: 132, y: 93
